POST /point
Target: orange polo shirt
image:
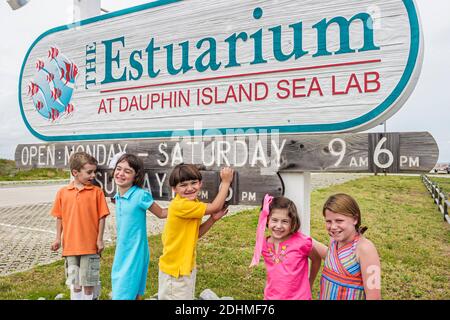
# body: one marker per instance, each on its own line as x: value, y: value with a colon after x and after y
x: 80, y: 212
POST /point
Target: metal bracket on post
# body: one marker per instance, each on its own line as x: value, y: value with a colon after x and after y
x: 297, y: 187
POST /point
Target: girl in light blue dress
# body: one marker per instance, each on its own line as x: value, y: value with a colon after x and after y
x: 132, y: 256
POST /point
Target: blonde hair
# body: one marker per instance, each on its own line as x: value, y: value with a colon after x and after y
x: 78, y: 159
x: 344, y: 204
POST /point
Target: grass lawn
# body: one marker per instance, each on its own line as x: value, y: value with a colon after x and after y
x: 412, y: 240
x: 9, y: 172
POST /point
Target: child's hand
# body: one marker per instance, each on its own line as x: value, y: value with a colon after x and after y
x: 100, y: 246
x: 56, y: 245
x: 226, y: 174
x: 218, y: 215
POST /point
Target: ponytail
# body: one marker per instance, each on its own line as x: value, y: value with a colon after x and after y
x: 361, y: 230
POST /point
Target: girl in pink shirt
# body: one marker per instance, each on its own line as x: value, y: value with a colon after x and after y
x: 285, y: 251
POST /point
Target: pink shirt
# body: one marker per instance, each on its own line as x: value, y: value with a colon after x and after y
x: 287, y: 270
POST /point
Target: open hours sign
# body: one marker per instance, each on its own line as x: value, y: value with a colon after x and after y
x: 262, y: 154
x: 257, y: 159
x: 154, y: 70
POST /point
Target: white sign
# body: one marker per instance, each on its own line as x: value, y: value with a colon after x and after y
x: 164, y: 68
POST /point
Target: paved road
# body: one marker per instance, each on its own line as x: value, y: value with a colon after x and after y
x: 20, y: 195
x: 27, y: 229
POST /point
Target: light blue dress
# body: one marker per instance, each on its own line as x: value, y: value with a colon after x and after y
x: 132, y: 256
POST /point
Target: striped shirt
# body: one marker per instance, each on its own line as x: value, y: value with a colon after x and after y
x: 341, y: 275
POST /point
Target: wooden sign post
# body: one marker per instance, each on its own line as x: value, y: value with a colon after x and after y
x: 266, y: 153
x: 268, y: 88
x: 259, y: 161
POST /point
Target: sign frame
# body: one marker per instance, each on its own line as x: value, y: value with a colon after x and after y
x: 380, y: 113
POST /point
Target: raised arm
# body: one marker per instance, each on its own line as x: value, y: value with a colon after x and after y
x: 158, y: 211
x: 226, y: 174
x: 205, y: 226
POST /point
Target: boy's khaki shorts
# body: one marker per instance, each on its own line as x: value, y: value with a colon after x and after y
x: 181, y: 288
x: 82, y: 270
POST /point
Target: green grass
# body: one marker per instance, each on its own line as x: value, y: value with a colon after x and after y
x: 9, y: 172
x: 412, y: 240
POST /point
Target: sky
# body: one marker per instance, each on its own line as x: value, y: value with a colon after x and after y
x: 427, y: 109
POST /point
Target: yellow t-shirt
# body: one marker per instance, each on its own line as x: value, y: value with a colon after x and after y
x: 180, y: 236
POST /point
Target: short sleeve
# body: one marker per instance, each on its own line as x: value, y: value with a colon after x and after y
x: 146, y: 200
x: 188, y: 209
x: 57, y: 207
x: 306, y: 247
x: 102, y: 206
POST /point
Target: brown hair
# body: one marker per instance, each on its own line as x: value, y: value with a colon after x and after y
x: 289, y: 205
x: 344, y: 204
x: 138, y: 166
x: 78, y: 159
x: 184, y: 172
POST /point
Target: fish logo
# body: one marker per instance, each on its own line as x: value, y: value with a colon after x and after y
x: 33, y: 89
x: 52, y: 87
x: 69, y: 108
x: 56, y: 93
x: 39, y: 105
x: 40, y: 64
x: 50, y: 77
x: 54, y: 114
x: 69, y: 73
x: 53, y: 52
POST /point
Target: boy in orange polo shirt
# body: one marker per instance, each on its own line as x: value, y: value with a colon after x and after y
x: 80, y: 210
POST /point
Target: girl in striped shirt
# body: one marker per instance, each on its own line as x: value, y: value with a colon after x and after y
x: 352, y: 266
